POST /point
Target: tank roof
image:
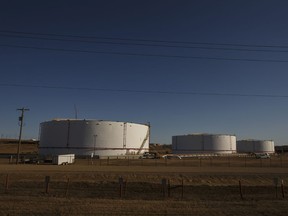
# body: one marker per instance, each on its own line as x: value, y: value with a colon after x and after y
x: 96, y: 120
x: 206, y: 134
x: 254, y: 140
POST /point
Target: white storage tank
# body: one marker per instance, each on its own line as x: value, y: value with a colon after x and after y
x: 255, y: 146
x: 203, y: 144
x: 92, y: 137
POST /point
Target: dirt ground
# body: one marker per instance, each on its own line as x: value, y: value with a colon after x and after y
x: 94, y: 189
x: 214, y: 186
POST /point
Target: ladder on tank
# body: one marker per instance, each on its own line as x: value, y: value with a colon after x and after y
x: 144, y: 141
x: 124, y: 134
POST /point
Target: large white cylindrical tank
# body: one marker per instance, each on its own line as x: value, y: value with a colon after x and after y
x: 255, y: 146
x: 92, y: 137
x: 204, y: 143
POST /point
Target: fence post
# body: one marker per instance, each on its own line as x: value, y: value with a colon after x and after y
x: 182, y: 188
x: 169, y: 187
x: 282, y: 188
x: 11, y: 159
x: 240, y: 189
x: 67, y: 187
x: 6, y: 183
x: 164, y: 187
x: 270, y: 162
x: 121, y: 184
x: 47, y: 181
x: 276, y: 186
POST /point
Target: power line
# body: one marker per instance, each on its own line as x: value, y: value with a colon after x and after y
x: 144, y: 55
x: 146, y: 40
x: 145, y: 44
x: 144, y: 91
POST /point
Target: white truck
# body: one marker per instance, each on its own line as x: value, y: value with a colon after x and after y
x: 149, y: 155
x: 63, y: 159
x: 262, y: 155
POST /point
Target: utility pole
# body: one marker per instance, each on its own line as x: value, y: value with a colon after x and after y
x: 21, y: 119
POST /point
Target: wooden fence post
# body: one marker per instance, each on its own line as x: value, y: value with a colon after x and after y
x: 47, y: 181
x: 270, y: 162
x: 276, y: 186
x: 169, y: 188
x: 282, y: 188
x: 6, y: 183
x: 240, y: 189
x: 164, y: 187
x: 67, y: 187
x: 182, y: 188
x: 121, y: 187
x: 11, y: 159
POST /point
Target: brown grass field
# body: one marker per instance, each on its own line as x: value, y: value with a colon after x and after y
x: 95, y: 190
x: 210, y: 187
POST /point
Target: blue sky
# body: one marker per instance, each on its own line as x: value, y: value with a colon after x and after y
x: 32, y: 77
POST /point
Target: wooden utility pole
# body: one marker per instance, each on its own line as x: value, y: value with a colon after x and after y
x: 21, y: 119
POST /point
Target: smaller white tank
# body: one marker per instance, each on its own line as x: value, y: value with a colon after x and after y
x: 204, y: 143
x: 255, y: 146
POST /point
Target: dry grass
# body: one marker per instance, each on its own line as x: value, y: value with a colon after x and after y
x: 10, y: 146
x: 211, y: 187
x: 73, y: 206
x: 94, y: 190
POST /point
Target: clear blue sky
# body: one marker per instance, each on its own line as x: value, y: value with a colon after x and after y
x: 31, y: 77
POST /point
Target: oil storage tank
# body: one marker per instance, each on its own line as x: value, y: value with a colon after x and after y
x: 93, y: 137
x: 204, y: 143
x: 255, y: 146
